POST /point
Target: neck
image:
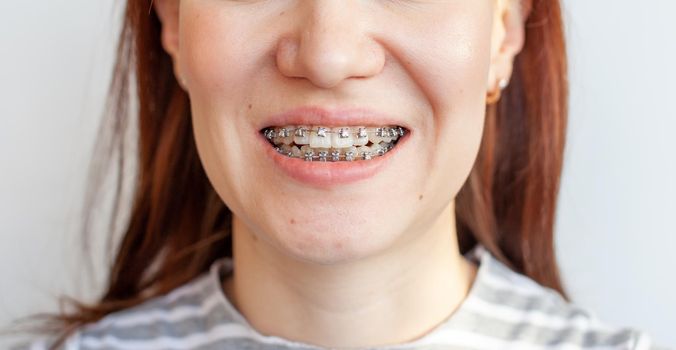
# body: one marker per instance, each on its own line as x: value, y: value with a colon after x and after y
x: 390, y: 298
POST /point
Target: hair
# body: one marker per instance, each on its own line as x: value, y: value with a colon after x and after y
x: 177, y: 225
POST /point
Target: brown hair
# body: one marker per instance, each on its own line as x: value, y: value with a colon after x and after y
x: 178, y: 225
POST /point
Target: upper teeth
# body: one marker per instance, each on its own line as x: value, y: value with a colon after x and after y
x: 338, y: 143
x: 339, y: 137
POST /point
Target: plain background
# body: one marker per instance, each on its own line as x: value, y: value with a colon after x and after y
x: 616, y: 236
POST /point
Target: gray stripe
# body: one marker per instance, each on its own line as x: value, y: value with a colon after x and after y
x: 550, y: 304
x: 195, y: 298
x: 243, y: 344
x: 184, y: 327
x: 247, y: 344
x: 528, y: 333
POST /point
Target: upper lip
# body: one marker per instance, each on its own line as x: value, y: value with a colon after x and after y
x: 316, y: 115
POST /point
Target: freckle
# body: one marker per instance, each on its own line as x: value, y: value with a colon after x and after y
x: 293, y: 221
x: 249, y: 105
x: 420, y: 197
x: 282, y: 13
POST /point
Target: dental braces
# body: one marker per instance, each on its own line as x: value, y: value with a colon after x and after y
x: 343, y: 133
x: 335, y: 156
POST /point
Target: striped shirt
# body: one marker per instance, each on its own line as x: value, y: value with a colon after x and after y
x: 503, y: 310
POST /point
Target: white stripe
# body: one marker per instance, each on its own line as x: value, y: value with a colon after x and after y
x: 39, y: 345
x: 522, y: 287
x: 73, y: 341
x: 643, y: 342
x: 144, y: 317
x: 193, y: 288
x: 531, y: 317
x: 500, y: 287
x: 442, y: 337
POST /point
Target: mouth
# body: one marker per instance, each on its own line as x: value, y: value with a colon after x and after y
x: 324, y: 148
x: 333, y: 144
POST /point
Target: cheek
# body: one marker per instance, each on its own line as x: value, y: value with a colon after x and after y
x: 218, y: 61
x: 450, y: 63
x: 216, y: 56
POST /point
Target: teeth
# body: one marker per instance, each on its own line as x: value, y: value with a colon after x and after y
x: 304, y: 149
x: 361, y: 137
x: 342, y: 138
x: 283, y: 132
x: 345, y: 143
x: 302, y: 135
x: 295, y: 152
x: 307, y: 153
x: 378, y: 148
x: 321, y: 131
x: 323, y: 156
x: 284, y: 136
x: 320, y: 138
x: 362, y: 133
x: 285, y: 149
x: 386, y: 148
x: 364, y: 152
x: 379, y: 135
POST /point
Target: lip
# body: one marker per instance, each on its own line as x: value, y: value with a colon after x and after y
x: 315, y: 115
x: 324, y: 175
x: 328, y: 174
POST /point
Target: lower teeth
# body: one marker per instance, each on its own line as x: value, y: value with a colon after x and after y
x: 336, y: 155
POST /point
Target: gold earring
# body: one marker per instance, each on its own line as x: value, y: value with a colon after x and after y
x: 494, y: 96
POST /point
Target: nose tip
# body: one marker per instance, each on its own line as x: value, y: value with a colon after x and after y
x: 327, y: 65
x: 329, y: 49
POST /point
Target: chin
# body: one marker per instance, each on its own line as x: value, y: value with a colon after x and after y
x: 328, y: 243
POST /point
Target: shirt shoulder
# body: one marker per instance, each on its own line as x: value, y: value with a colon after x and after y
x: 514, y: 309
x: 178, y: 314
x: 196, y: 315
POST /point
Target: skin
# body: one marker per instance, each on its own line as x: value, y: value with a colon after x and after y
x: 327, y: 266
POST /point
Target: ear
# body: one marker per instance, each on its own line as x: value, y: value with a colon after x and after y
x: 168, y: 14
x: 508, y: 38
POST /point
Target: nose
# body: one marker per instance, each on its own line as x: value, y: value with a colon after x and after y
x: 329, y: 44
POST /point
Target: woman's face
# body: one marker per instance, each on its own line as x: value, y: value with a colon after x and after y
x: 424, y: 66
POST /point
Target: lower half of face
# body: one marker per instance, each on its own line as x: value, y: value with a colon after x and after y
x: 330, y: 184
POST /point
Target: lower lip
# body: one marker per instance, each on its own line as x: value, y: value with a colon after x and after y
x: 328, y: 174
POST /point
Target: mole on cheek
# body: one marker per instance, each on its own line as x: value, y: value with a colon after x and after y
x: 420, y: 197
x: 293, y: 221
x: 249, y: 105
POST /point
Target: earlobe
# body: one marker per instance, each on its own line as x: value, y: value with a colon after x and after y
x: 168, y: 13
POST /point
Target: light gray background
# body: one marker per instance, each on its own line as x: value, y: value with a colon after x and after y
x: 616, y: 236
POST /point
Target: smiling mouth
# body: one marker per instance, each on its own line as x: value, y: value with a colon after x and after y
x: 346, y: 143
